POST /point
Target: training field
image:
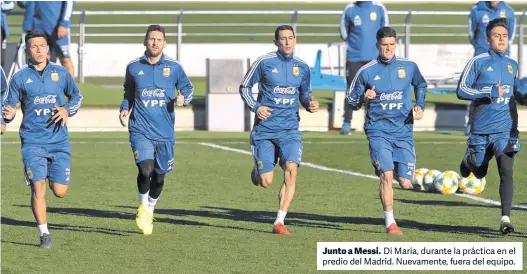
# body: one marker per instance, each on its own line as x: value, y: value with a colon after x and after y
x: 211, y: 219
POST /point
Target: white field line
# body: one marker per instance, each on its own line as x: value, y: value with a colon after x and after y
x: 479, y: 199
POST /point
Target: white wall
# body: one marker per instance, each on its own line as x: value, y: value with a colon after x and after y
x: 110, y: 60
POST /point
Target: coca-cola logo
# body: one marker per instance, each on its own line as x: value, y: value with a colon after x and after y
x: 397, y: 95
x: 50, y: 99
x: 284, y: 90
x: 153, y: 93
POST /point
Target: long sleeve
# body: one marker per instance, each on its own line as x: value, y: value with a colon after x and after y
x: 13, y: 97
x: 67, y: 11
x: 465, y: 88
x: 355, y: 94
x: 184, y: 85
x: 519, y: 95
x: 385, y: 18
x: 74, y: 95
x: 420, y: 86
x: 28, y: 16
x: 305, y: 90
x: 129, y: 91
x: 252, y: 77
x: 344, y: 25
x: 472, y: 25
x: 511, y: 27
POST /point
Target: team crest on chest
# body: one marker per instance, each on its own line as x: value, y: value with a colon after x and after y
x: 55, y: 76
x: 401, y: 72
x: 509, y: 68
x: 503, y: 14
x: 166, y: 71
x: 296, y: 70
x: 373, y: 16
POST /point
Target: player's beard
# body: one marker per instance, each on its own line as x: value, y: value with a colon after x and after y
x: 155, y: 54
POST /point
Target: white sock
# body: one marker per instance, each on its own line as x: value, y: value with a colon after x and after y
x: 43, y: 229
x: 280, y: 217
x: 505, y: 219
x: 143, y: 198
x: 388, y: 218
x: 152, y: 202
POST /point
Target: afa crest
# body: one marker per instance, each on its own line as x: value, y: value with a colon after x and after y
x: 166, y: 71
x: 136, y: 154
x: 503, y: 14
x: 260, y: 164
x: 401, y: 72
x: 55, y: 76
x: 509, y: 68
x: 373, y: 16
x: 296, y: 70
x: 29, y: 174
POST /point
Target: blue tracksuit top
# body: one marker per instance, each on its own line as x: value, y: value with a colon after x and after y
x: 29, y: 13
x: 51, y: 14
x: 389, y: 114
x: 283, y: 83
x: 38, y: 94
x: 150, y: 91
x: 6, y: 7
x: 358, y: 27
x: 480, y: 15
x: 478, y: 83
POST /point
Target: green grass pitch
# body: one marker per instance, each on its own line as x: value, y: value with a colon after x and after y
x: 211, y: 219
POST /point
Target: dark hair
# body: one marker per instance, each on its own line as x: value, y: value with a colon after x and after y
x: 34, y: 34
x: 280, y: 28
x: 385, y: 32
x: 498, y: 22
x: 155, y: 28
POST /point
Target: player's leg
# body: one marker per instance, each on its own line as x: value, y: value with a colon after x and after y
x: 62, y: 49
x: 36, y: 169
x: 143, y: 150
x: 264, y: 155
x: 468, y: 117
x: 351, y: 70
x: 381, y: 155
x: 477, y: 156
x: 59, y: 169
x: 404, y: 160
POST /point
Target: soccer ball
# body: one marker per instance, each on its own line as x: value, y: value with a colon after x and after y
x: 430, y: 177
x: 418, y: 181
x: 447, y: 182
x: 472, y: 185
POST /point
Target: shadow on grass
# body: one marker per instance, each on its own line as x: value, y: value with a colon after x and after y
x: 452, y: 203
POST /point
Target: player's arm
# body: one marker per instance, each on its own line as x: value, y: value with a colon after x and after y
x: 385, y: 18
x: 67, y: 11
x: 184, y: 85
x: 472, y: 26
x: 305, y: 90
x: 355, y: 93
x: 512, y: 27
x: 129, y: 91
x: 467, y: 80
x: 420, y: 86
x: 344, y: 24
x: 252, y: 77
x: 74, y: 95
x: 519, y: 96
x: 13, y: 97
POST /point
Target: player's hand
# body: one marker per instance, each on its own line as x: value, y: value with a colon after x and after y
x: 313, y: 104
x: 61, y: 116
x: 9, y: 112
x: 370, y: 93
x: 122, y: 117
x: 180, y: 99
x: 62, y: 32
x: 501, y: 90
x: 263, y: 112
x: 418, y: 113
x: 3, y: 128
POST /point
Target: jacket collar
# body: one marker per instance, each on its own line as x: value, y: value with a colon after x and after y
x: 363, y: 3
x: 386, y: 62
x: 283, y: 57
x: 496, y: 54
x: 30, y: 65
x: 145, y: 58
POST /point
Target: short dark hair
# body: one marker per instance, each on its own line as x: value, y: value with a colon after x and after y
x: 281, y: 28
x: 34, y: 34
x: 386, y: 32
x: 498, y: 22
x: 155, y: 28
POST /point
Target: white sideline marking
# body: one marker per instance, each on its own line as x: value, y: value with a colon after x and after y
x: 479, y: 199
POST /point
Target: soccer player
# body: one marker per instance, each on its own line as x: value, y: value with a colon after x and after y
x: 358, y: 24
x: 385, y: 85
x: 3, y: 84
x: 284, y: 82
x: 149, y: 95
x: 6, y: 7
x: 480, y: 15
x: 48, y: 96
x: 489, y: 80
x: 54, y: 19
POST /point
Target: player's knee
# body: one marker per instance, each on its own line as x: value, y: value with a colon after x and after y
x: 146, y: 168
x: 291, y: 171
x: 266, y: 179
x: 38, y: 189
x: 60, y: 193
x: 159, y: 179
x: 505, y: 172
x: 405, y: 183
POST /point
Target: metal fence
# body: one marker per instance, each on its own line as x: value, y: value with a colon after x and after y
x: 83, y: 29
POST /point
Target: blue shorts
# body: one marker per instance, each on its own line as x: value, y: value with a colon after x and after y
x: 398, y: 156
x: 161, y: 152
x: 266, y: 152
x: 52, y: 162
x: 481, y: 148
x: 60, y: 47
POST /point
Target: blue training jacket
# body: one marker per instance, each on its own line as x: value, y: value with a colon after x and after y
x: 150, y: 91
x: 6, y: 7
x: 38, y: 94
x: 389, y: 114
x: 480, y: 15
x: 358, y: 27
x: 478, y: 83
x: 283, y: 83
x: 51, y: 14
x: 29, y: 13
